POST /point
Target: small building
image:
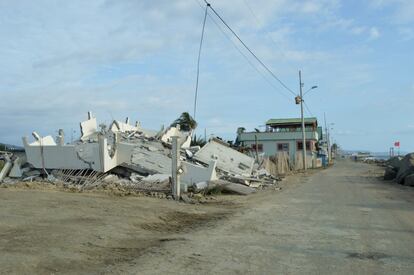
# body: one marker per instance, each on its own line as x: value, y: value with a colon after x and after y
x: 284, y: 135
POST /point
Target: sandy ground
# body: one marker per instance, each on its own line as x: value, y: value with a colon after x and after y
x: 341, y: 220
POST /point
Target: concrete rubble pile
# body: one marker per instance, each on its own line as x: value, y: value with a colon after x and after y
x: 400, y: 169
x: 133, y: 158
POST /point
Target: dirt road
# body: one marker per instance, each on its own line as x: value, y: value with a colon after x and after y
x: 340, y: 220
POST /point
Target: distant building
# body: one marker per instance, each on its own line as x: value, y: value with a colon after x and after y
x: 283, y: 135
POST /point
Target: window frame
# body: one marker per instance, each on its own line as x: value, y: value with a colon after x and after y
x: 309, y: 145
x: 259, y: 147
x: 280, y: 147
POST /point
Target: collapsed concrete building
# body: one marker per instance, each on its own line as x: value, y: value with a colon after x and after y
x: 130, y: 153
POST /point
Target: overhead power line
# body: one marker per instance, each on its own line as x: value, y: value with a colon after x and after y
x: 269, y: 35
x: 249, y: 50
x: 243, y: 54
x: 247, y: 59
x: 198, y: 60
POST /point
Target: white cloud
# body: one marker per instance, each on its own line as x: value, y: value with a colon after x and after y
x: 403, y: 10
x: 374, y: 33
x: 138, y: 58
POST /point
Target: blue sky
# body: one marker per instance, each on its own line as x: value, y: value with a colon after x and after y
x: 138, y: 59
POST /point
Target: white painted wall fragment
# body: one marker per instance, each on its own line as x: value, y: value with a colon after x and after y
x: 47, y: 140
x: 195, y: 173
x: 184, y: 138
x: 228, y: 159
x: 89, y: 128
x: 80, y: 155
x: 119, y: 126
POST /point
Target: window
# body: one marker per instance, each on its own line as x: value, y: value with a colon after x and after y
x: 259, y: 147
x: 300, y: 147
x: 284, y: 147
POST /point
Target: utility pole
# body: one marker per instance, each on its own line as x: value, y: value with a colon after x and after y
x: 327, y: 139
x: 303, y: 122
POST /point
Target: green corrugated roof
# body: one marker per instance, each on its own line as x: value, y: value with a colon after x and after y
x: 290, y: 120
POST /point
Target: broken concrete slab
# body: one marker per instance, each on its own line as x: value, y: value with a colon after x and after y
x: 89, y: 128
x: 144, y: 157
x: 228, y: 159
x: 16, y: 171
x: 230, y: 187
x: 6, y: 168
x: 157, y: 178
x: 119, y: 126
x: 200, y: 186
x: 184, y: 138
x: 195, y: 173
x: 42, y: 141
x: 185, y: 198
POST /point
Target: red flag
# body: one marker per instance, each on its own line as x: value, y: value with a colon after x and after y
x: 397, y: 144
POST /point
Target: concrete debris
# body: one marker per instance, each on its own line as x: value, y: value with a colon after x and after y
x: 129, y: 157
x: 157, y: 178
x: 32, y: 173
x: 228, y: 159
x: 17, y: 171
x: 186, y: 199
x: 6, y: 168
x: 189, y: 154
x: 149, y: 157
x: 42, y: 141
x: 89, y: 128
x: 196, y: 173
x: 229, y: 187
x: 200, y: 186
x: 118, y: 126
x: 94, y: 155
x: 184, y: 138
x: 110, y: 178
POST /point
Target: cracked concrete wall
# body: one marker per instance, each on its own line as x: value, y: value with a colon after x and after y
x: 228, y: 159
x: 71, y: 156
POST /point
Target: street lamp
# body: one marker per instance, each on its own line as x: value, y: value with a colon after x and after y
x: 299, y: 100
x: 311, y: 88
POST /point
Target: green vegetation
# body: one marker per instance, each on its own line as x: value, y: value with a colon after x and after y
x: 187, y: 123
x: 198, y: 141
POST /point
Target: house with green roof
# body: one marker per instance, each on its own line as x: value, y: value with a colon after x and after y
x: 283, y: 135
